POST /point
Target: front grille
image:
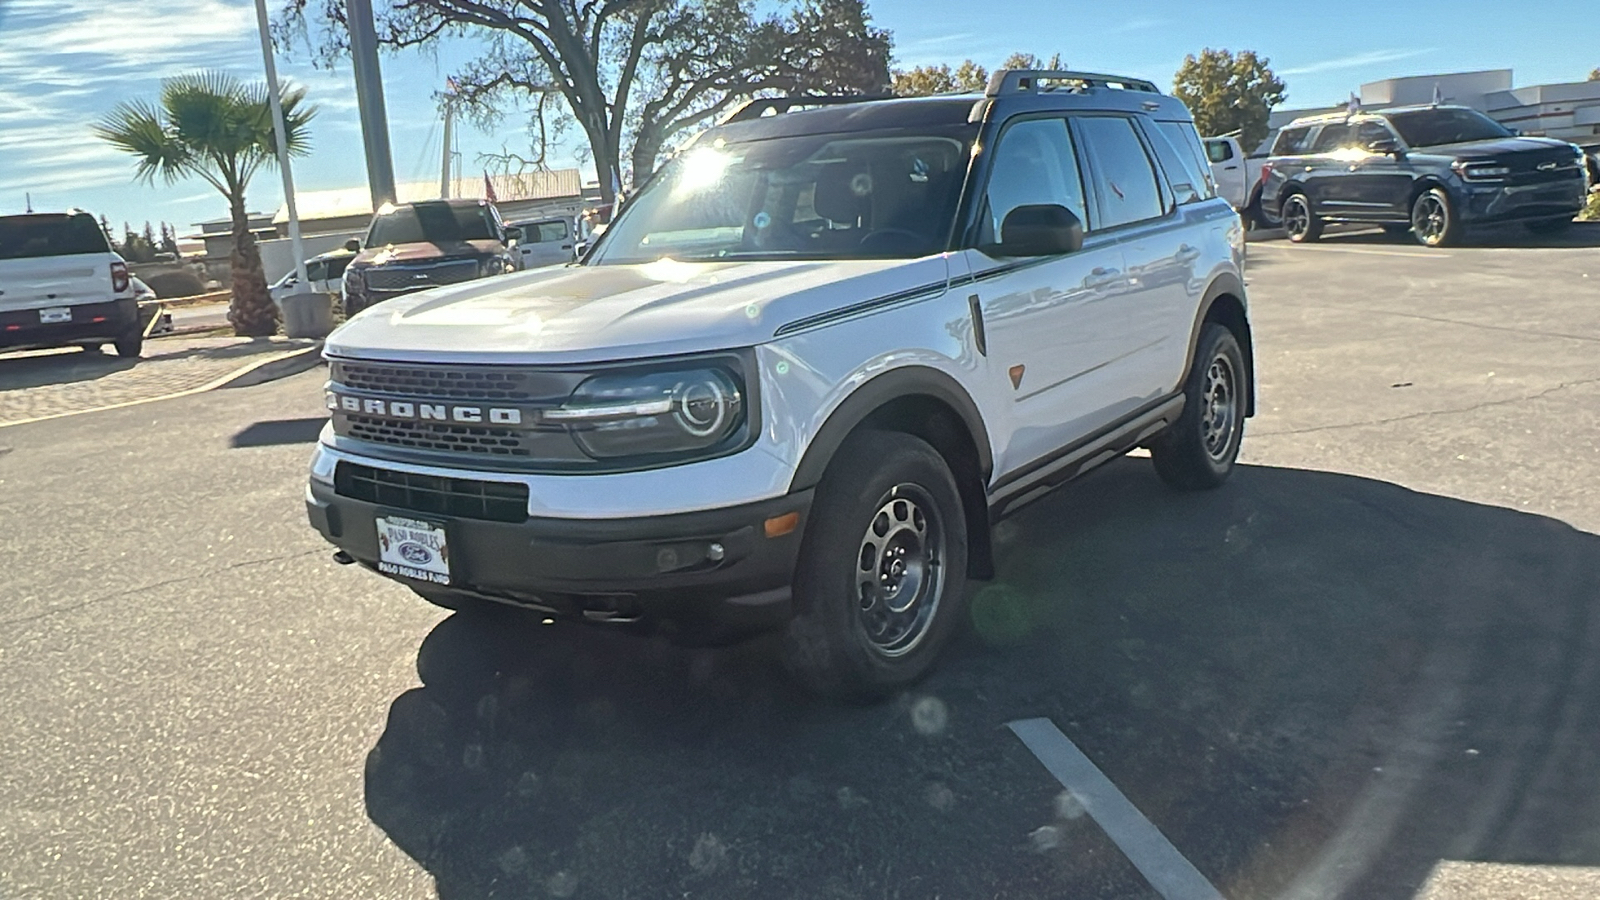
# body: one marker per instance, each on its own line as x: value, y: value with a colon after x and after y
x: 452, y: 382
x: 442, y: 436
x: 494, y: 501
x: 415, y: 278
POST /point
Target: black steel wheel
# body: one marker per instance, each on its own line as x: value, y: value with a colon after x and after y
x: 879, y: 585
x: 1199, y: 450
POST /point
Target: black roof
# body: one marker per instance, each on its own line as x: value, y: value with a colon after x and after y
x: 865, y: 115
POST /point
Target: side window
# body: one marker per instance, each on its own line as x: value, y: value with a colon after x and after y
x: 1185, y: 182
x: 1188, y: 166
x: 550, y: 232
x: 1292, y: 141
x: 1125, y: 180
x: 316, y: 271
x: 1370, y: 131
x: 1219, y: 151
x: 1033, y: 163
x: 1334, y: 135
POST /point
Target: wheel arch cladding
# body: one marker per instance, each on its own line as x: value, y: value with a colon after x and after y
x: 1222, y: 305
x: 932, y: 406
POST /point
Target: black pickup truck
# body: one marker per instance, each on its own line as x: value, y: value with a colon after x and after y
x: 1429, y: 170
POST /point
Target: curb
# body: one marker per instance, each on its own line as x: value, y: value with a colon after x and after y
x: 263, y: 371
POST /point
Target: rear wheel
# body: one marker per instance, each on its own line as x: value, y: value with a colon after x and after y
x: 1299, y: 222
x: 882, y: 572
x: 130, y: 345
x: 1198, y: 451
x: 1433, y: 219
x: 1550, y: 226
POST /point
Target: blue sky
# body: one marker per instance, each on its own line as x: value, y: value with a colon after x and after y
x: 65, y: 63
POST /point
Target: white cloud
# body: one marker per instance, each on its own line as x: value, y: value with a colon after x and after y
x: 1142, y: 23
x: 1355, y: 61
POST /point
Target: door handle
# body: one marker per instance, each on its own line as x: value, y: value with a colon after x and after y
x: 1232, y: 167
x: 1101, y: 277
x: 1186, y: 254
x: 566, y: 246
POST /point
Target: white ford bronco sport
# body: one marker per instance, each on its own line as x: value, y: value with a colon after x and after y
x: 60, y: 284
x: 814, y: 359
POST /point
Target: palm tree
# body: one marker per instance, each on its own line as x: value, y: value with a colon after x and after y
x: 210, y: 125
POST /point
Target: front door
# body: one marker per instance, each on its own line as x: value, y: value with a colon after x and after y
x: 1379, y: 183
x: 1052, y: 325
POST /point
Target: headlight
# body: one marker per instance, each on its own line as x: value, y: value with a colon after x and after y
x: 1481, y: 171
x: 655, y: 413
x: 353, y: 279
x: 492, y: 265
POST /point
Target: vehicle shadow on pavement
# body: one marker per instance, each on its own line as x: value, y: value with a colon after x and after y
x: 1580, y: 235
x: 274, y: 432
x: 38, y: 370
x: 1316, y: 685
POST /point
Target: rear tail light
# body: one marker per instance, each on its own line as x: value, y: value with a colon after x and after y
x: 119, y: 277
x: 1266, y: 169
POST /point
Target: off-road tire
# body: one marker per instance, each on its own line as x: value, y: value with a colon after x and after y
x: 1189, y: 455
x: 838, y: 643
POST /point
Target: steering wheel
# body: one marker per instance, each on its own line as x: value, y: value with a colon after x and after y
x: 894, y: 237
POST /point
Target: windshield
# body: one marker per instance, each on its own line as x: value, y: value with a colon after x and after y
x: 867, y: 195
x: 29, y: 237
x: 431, y: 223
x: 1432, y: 127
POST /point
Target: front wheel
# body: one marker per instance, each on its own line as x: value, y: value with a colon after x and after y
x: 882, y: 571
x: 1299, y: 222
x: 1199, y: 450
x: 1550, y: 226
x: 1433, y: 219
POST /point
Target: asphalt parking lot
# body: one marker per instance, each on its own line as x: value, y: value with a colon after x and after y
x: 1368, y: 667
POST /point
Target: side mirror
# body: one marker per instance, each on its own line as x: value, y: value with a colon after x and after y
x: 1042, y: 229
x: 1385, y: 145
x: 353, y: 245
x: 513, y: 235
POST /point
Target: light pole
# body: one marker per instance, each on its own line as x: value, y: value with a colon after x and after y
x: 369, y: 97
x: 279, y: 132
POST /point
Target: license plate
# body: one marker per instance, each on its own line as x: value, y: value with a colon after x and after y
x: 413, y: 549
x: 55, y: 314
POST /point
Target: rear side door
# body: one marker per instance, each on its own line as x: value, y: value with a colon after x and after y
x: 1160, y: 249
x: 1228, y: 170
x: 1052, y: 331
x: 1324, y: 169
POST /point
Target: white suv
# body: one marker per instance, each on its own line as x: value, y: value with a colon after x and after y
x: 60, y: 284
x: 810, y: 364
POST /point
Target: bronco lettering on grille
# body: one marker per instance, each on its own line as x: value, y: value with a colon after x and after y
x: 435, y: 412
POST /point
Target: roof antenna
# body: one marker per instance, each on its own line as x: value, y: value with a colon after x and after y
x: 1438, y: 95
x: 28, y: 199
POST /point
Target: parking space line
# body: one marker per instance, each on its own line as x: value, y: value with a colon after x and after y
x: 1172, y: 875
x: 1368, y: 251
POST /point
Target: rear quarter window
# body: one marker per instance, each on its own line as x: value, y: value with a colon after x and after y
x: 1292, y: 141
x: 32, y: 237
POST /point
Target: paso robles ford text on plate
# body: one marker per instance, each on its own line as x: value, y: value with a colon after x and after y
x: 413, y: 549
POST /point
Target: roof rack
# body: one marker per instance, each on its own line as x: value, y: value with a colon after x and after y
x: 1012, y: 81
x: 760, y: 106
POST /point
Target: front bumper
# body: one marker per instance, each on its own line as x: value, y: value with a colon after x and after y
x: 707, y: 568
x: 90, y: 322
x: 1485, y: 204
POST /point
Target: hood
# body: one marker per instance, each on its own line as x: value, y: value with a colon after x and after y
x: 403, y: 253
x: 591, y: 313
x: 1497, y: 147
